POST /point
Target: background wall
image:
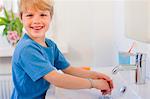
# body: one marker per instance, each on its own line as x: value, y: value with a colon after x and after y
x: 93, y: 29
x: 87, y: 27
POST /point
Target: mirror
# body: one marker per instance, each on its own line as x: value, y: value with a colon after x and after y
x: 137, y: 20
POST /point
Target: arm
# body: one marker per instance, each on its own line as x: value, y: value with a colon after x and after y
x: 79, y: 72
x: 85, y: 73
x: 72, y: 82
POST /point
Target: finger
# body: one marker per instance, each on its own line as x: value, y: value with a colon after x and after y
x: 106, y: 77
x: 103, y: 76
x: 104, y: 92
x: 111, y: 87
x: 111, y: 84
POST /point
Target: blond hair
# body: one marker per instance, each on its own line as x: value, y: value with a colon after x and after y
x: 36, y: 5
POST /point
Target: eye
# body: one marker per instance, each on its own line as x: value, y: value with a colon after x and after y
x: 43, y: 14
x: 29, y: 15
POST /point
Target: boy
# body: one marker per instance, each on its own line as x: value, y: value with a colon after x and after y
x: 36, y: 59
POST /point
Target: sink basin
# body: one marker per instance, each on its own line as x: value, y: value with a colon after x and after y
x: 119, y: 82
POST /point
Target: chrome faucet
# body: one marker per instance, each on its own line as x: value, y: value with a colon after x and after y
x: 139, y: 67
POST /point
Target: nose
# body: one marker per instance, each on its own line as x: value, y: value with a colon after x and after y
x: 36, y: 20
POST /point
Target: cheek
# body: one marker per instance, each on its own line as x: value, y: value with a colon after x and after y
x: 26, y: 23
x: 47, y: 24
x: 48, y: 21
x: 26, y: 26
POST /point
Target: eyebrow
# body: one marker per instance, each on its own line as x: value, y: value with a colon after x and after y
x: 39, y: 12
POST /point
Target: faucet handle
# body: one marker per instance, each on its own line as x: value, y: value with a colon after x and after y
x: 115, y: 70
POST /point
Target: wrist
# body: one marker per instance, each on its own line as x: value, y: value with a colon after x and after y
x: 91, y: 82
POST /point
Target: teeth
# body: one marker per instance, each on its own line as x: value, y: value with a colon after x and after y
x: 37, y: 27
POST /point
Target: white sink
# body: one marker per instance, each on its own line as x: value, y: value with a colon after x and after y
x: 119, y: 81
x: 143, y: 91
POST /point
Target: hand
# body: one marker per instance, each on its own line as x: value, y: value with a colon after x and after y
x: 104, y: 92
x: 105, y: 77
x: 101, y: 84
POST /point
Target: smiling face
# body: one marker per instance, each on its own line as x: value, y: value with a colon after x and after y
x: 36, y: 22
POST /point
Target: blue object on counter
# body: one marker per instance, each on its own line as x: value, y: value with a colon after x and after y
x: 124, y: 58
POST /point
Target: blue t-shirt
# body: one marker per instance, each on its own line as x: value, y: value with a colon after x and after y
x: 30, y: 63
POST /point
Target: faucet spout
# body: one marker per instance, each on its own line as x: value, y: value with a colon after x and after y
x: 139, y: 67
x: 123, y: 68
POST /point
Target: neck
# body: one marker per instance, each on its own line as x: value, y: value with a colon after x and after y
x: 40, y: 41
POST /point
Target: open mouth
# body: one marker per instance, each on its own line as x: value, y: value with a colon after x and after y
x: 37, y: 27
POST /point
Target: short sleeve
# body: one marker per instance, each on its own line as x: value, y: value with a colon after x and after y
x: 34, y: 62
x: 60, y: 61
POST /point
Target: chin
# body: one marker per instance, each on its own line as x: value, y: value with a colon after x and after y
x: 37, y: 35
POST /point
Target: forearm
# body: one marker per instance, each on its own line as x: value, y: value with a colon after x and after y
x: 81, y: 72
x: 72, y: 82
x: 69, y: 81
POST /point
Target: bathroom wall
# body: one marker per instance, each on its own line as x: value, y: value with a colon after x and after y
x: 93, y: 29
x: 87, y: 27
